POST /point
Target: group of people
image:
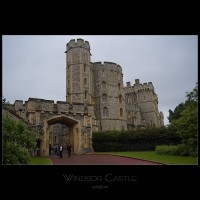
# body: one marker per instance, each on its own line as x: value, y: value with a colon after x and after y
x: 58, y: 149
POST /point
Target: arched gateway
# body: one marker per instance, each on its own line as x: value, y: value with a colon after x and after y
x: 74, y: 132
x: 74, y: 123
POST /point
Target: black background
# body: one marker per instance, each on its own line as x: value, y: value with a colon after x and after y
x: 157, y: 181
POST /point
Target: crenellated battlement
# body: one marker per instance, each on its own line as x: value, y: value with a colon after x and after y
x: 138, y: 86
x: 18, y: 105
x: 80, y: 43
x: 111, y: 64
x: 107, y: 65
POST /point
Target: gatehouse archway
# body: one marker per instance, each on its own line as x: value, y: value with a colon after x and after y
x: 74, y: 132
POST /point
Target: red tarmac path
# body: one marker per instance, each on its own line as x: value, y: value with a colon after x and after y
x: 98, y: 159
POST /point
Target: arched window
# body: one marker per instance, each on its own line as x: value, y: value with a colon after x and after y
x: 70, y: 108
x: 134, y: 97
x: 103, y: 85
x: 85, y: 81
x: 84, y: 57
x: 121, y: 112
x: 119, y: 86
x: 120, y: 98
x: 84, y: 68
x: 103, y: 73
x: 104, y: 98
x: 105, y: 112
x: 85, y: 94
x: 85, y: 110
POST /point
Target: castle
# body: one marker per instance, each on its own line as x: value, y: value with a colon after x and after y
x: 96, y: 100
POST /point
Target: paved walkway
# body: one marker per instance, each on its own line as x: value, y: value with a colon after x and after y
x: 98, y: 159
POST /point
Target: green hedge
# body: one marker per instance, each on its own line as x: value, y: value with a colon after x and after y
x: 135, y: 140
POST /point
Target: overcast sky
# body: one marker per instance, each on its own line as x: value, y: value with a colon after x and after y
x: 35, y: 66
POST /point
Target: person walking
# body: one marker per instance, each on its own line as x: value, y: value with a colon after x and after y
x: 69, y: 149
x: 61, y: 149
x: 50, y: 148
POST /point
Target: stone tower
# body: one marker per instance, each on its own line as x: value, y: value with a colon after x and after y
x: 78, y: 72
x: 109, y: 95
x: 147, y: 100
x: 142, y: 106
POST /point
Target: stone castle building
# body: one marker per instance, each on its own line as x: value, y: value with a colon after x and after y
x: 96, y: 100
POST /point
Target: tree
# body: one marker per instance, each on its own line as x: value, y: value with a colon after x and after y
x: 4, y: 102
x: 176, y: 114
x: 18, y: 141
x: 184, y: 119
x: 193, y: 96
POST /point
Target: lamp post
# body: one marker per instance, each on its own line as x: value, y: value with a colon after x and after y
x: 88, y: 128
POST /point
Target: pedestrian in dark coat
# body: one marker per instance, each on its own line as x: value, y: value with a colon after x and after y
x: 69, y: 149
x: 61, y: 149
x: 50, y: 149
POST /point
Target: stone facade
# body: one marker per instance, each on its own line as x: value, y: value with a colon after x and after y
x: 96, y: 100
x: 142, y: 106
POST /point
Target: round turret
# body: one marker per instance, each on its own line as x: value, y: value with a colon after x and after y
x: 78, y: 89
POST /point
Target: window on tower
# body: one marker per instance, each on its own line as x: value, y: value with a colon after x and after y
x: 119, y: 86
x: 85, y: 110
x: 105, y: 112
x: 121, y: 112
x: 103, y: 73
x: 120, y: 98
x: 85, y: 94
x: 85, y: 81
x: 103, y: 85
x: 104, y: 98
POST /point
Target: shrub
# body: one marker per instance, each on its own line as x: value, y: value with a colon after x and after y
x: 18, y: 141
x: 178, y: 150
x: 14, y: 154
x: 167, y: 150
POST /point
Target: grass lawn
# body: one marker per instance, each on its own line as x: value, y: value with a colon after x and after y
x: 153, y: 156
x: 40, y: 161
